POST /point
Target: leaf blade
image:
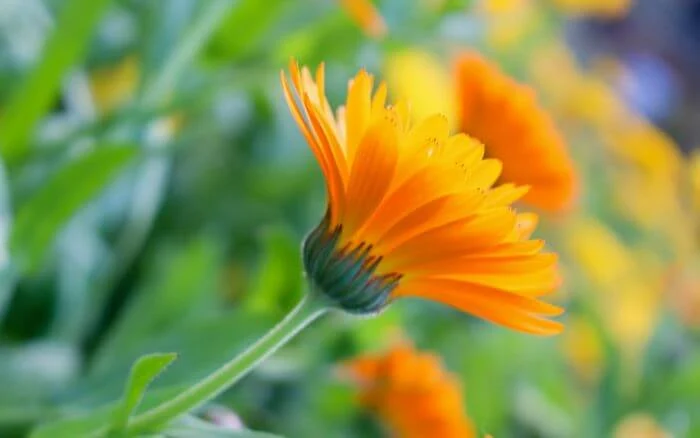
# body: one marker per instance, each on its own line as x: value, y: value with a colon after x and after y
x: 145, y: 370
x: 40, y: 219
x: 34, y: 96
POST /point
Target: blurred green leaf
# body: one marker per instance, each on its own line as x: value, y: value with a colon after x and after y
x: 226, y: 334
x: 37, y: 92
x: 144, y: 371
x: 192, y: 427
x: 186, y: 50
x: 182, y: 279
x: 41, y: 217
x: 278, y: 280
x: 94, y: 422
x: 255, y: 17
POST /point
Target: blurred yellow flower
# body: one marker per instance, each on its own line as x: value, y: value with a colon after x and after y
x: 599, y: 8
x: 694, y: 174
x: 492, y: 7
x: 597, y: 252
x: 575, y: 95
x: 643, y: 145
x: 625, y: 285
x: 639, y: 425
x: 366, y: 15
x: 114, y: 86
x: 507, y: 118
x: 654, y: 206
x: 412, y: 212
x: 420, y: 79
x: 583, y: 349
x: 507, y: 22
x: 411, y: 392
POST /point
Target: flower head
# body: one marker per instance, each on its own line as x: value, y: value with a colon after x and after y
x: 506, y: 117
x: 412, y: 212
x: 411, y: 393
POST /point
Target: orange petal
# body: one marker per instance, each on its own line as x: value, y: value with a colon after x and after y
x: 371, y: 174
x: 503, y: 308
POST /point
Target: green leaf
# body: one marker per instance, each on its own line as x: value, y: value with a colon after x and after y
x: 186, y: 50
x: 35, y: 95
x: 255, y: 17
x: 95, y: 422
x: 279, y: 278
x: 193, y: 427
x: 42, y: 216
x: 144, y: 371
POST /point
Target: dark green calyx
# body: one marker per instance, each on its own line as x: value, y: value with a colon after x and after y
x: 346, y: 275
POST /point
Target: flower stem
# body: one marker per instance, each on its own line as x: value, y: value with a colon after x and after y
x: 308, y: 309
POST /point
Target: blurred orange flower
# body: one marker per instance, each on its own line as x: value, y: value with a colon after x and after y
x: 599, y: 8
x: 366, y: 15
x: 411, y: 393
x: 506, y: 117
x: 683, y: 293
x: 412, y: 212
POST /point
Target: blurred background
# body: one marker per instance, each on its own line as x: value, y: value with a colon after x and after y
x: 154, y: 192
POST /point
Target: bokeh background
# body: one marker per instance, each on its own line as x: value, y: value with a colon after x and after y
x: 154, y: 192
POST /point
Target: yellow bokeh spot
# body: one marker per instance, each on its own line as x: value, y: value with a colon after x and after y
x: 424, y: 83
x: 115, y: 85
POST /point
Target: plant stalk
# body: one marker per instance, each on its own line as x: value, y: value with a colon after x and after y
x: 308, y: 309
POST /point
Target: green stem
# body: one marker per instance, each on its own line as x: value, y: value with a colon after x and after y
x: 308, y: 309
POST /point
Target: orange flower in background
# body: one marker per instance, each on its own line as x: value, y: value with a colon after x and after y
x: 598, y: 8
x: 683, y: 293
x: 366, y: 15
x: 506, y: 117
x: 412, y: 212
x: 411, y: 393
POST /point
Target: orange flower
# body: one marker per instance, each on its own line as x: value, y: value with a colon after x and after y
x: 597, y: 8
x: 505, y: 116
x: 366, y: 16
x: 412, y: 212
x: 411, y: 393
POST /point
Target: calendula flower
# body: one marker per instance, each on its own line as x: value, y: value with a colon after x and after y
x: 507, y: 119
x: 597, y: 8
x: 366, y: 15
x: 412, y: 212
x: 411, y: 393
